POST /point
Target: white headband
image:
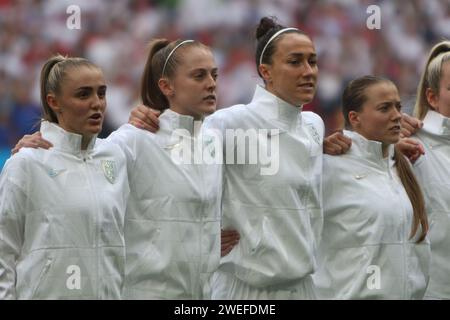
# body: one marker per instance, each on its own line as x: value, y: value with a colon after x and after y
x: 271, y: 39
x: 171, y: 53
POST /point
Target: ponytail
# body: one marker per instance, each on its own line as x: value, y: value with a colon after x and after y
x: 52, y: 76
x: 162, y: 53
x: 49, y: 86
x: 415, y: 195
x: 431, y: 77
x: 151, y: 95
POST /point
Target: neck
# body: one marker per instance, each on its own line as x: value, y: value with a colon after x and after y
x: 385, y: 149
x: 272, y: 90
x: 85, y: 142
x: 197, y: 117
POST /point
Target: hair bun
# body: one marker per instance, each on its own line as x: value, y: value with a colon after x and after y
x: 265, y: 25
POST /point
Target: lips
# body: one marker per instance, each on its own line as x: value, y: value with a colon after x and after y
x: 307, y: 85
x: 95, y: 119
x: 210, y: 98
x: 96, y: 116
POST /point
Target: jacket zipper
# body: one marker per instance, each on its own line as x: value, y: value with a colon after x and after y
x: 96, y: 222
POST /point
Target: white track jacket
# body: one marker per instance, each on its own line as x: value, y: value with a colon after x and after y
x: 365, y: 250
x: 61, y: 220
x: 433, y: 173
x: 276, y: 205
x: 172, y: 228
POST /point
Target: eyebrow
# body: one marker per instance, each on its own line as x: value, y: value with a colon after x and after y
x: 390, y: 102
x: 204, y: 69
x: 301, y: 55
x: 89, y: 88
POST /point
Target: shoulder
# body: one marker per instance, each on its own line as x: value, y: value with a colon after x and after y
x: 313, y: 118
x: 17, y: 168
x: 226, y: 117
x: 335, y: 165
x: 128, y: 134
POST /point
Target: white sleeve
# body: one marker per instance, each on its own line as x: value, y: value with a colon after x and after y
x: 126, y: 137
x: 13, y: 201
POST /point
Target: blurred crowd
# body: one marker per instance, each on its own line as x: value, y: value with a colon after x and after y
x: 114, y: 34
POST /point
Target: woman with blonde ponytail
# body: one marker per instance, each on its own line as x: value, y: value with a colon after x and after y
x: 62, y: 211
x: 172, y: 223
x: 374, y: 241
x: 433, y: 168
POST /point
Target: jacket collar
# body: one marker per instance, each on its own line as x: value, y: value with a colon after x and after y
x: 64, y: 140
x: 436, y: 123
x: 370, y: 149
x: 272, y: 108
x: 171, y: 120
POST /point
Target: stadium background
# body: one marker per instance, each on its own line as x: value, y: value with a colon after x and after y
x: 114, y: 35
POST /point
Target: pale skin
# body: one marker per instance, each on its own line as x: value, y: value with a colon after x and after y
x: 439, y: 102
x: 380, y: 115
x: 81, y: 104
x: 191, y: 91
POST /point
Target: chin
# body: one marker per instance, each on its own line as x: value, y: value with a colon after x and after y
x: 94, y: 131
x: 305, y: 100
x: 392, y: 140
x: 209, y: 110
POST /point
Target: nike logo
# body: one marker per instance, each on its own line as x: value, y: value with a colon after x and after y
x: 53, y: 172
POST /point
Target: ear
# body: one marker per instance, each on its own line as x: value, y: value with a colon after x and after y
x: 166, y: 87
x: 432, y: 98
x: 354, y: 119
x: 266, y: 72
x: 53, y: 103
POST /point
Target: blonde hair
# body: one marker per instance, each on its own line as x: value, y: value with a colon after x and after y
x: 53, y: 74
x: 431, y: 77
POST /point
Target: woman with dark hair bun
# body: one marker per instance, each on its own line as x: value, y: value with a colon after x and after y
x: 277, y: 215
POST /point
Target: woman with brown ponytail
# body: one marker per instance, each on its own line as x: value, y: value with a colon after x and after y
x: 62, y: 211
x: 172, y: 222
x: 374, y: 241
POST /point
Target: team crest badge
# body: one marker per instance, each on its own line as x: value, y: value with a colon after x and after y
x: 109, y: 169
x: 315, y: 135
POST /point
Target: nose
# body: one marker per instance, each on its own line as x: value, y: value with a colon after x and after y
x: 211, y: 83
x: 98, y: 102
x: 396, y: 115
x: 308, y: 70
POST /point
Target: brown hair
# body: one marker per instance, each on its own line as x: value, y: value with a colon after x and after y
x: 53, y: 74
x: 431, y: 77
x: 353, y: 99
x: 266, y: 28
x: 159, y: 50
